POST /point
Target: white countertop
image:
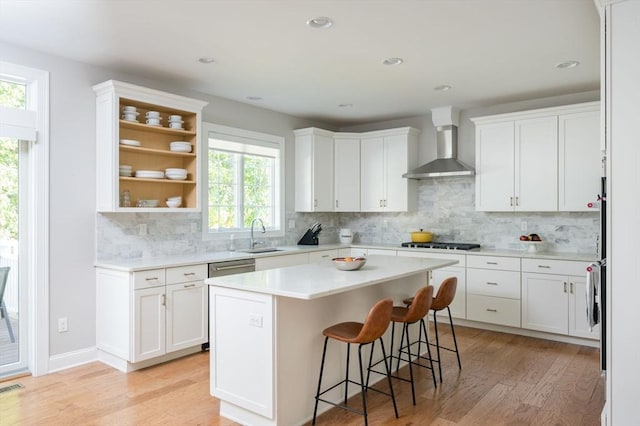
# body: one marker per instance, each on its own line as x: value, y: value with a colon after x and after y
x: 141, y: 264
x: 321, y: 279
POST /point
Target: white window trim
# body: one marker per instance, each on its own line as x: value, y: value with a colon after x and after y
x: 38, y: 217
x: 232, y: 131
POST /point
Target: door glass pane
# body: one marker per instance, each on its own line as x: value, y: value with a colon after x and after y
x: 9, y: 230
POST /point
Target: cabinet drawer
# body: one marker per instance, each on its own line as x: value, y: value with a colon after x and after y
x: 495, y: 310
x: 494, y: 283
x: 319, y: 256
x: 459, y: 257
x: 181, y: 274
x: 494, y: 262
x: 382, y: 252
x: 148, y: 279
x: 558, y: 267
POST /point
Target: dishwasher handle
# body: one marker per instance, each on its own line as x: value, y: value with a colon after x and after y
x: 226, y: 268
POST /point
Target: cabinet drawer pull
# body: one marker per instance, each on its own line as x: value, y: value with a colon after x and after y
x: 189, y: 274
x: 189, y: 285
x: 164, y: 300
x: 491, y: 310
x: 571, y: 288
x: 325, y: 255
x: 490, y: 283
x: 517, y: 201
x: 151, y: 279
x: 492, y: 263
x: 544, y: 266
x: 565, y: 287
x: 337, y: 204
x: 510, y: 201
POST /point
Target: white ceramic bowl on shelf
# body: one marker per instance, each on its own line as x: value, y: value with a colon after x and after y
x: 130, y: 142
x: 173, y: 203
x: 180, y: 146
x: 149, y: 174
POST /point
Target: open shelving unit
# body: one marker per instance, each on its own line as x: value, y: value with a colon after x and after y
x: 154, y: 152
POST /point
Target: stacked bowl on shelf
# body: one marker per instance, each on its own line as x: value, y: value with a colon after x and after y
x: 175, y: 122
x: 129, y: 113
x: 174, y: 202
x: 153, y: 118
x: 180, y: 146
x: 150, y: 174
x: 125, y: 170
x: 176, y: 174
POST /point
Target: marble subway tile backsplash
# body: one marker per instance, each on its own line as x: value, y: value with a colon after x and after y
x: 446, y: 207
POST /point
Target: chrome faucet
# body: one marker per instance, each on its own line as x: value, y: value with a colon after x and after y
x: 253, y: 242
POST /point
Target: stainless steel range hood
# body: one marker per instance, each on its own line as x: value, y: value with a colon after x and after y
x: 445, y: 119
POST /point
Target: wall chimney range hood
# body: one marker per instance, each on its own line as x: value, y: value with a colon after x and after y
x: 446, y: 164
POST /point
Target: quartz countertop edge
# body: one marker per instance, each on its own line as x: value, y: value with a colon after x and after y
x: 316, y: 280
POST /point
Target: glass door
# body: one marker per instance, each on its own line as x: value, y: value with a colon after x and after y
x: 13, y: 161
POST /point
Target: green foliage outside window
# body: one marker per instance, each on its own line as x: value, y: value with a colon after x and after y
x: 12, y: 95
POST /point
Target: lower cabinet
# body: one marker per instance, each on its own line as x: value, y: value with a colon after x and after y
x: 148, y: 314
x: 555, y: 302
x: 493, y: 290
x: 281, y: 261
x: 459, y: 305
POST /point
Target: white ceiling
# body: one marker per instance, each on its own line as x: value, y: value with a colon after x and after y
x: 489, y: 51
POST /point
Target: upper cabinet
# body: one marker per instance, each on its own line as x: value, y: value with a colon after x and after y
x: 314, y: 170
x: 385, y: 157
x: 350, y: 172
x: 347, y: 174
x: 542, y: 160
x: 133, y: 155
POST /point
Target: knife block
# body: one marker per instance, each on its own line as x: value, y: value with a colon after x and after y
x: 308, y: 239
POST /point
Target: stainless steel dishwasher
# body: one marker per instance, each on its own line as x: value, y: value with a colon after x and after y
x: 229, y: 267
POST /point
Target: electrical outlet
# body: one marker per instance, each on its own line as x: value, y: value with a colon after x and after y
x: 63, y: 325
x: 523, y: 226
x: 194, y: 227
x: 292, y: 223
x: 255, y: 320
x: 142, y: 229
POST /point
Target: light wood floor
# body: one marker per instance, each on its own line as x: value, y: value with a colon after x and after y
x: 505, y: 379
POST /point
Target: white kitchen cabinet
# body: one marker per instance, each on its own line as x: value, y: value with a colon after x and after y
x: 539, y: 160
x: 314, y: 171
x: 281, y: 261
x: 154, y: 151
x: 347, y: 174
x: 385, y: 157
x: 493, y: 290
x: 553, y: 297
x: 580, y: 159
x: 322, y: 255
x: 516, y: 165
x: 459, y: 305
x: 150, y: 316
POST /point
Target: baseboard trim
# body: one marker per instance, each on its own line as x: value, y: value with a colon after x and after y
x: 72, y: 359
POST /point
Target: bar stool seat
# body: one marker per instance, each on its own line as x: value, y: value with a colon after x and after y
x: 442, y: 300
x: 366, y: 333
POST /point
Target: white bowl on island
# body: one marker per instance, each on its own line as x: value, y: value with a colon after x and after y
x: 349, y: 263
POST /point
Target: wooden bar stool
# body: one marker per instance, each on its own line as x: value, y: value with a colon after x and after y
x: 412, y: 314
x: 444, y: 297
x: 372, y: 329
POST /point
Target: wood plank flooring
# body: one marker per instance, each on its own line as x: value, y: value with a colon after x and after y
x: 505, y: 380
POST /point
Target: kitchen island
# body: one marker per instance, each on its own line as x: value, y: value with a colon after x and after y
x: 266, y: 332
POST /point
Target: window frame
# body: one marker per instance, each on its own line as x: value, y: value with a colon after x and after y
x: 279, y: 185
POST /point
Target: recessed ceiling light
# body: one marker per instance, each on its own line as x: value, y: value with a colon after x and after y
x: 393, y: 61
x: 345, y: 105
x: 567, y: 64
x: 442, y: 88
x: 206, y: 60
x: 254, y: 98
x: 321, y: 22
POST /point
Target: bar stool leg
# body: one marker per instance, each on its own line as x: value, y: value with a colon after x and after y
x: 362, y: 387
x: 346, y: 383
x: 404, y: 328
x: 387, y: 367
x: 426, y: 339
x: 455, y: 342
x: 315, y: 408
x: 373, y: 345
x: 413, y: 391
x: 435, y: 326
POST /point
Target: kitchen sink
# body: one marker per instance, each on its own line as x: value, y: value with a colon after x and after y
x: 260, y: 250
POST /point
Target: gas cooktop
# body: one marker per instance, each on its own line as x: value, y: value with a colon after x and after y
x: 443, y: 246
